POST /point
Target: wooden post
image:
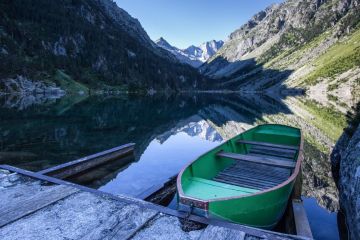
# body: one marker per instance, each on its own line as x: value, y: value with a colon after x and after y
x: 83, y: 164
x: 301, y: 221
x: 156, y: 188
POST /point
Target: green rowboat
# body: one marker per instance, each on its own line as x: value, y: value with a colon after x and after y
x: 247, y: 180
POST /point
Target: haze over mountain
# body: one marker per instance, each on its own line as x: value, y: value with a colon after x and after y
x: 194, y: 56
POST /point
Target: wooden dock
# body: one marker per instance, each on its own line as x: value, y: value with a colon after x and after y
x: 36, y: 206
x: 78, y: 166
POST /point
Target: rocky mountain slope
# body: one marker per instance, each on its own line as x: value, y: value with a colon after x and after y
x: 194, y: 56
x: 346, y: 170
x: 78, y: 44
x: 308, y: 44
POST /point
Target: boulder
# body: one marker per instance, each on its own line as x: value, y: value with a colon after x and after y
x: 346, y: 156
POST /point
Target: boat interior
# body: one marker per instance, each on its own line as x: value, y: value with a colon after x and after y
x: 254, y: 161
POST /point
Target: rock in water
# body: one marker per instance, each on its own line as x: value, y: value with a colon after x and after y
x: 348, y: 156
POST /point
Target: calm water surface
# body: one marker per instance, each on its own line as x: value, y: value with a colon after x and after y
x: 169, y: 132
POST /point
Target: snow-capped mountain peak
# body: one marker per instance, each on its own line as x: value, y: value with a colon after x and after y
x: 194, y: 56
x: 164, y: 44
x: 210, y: 48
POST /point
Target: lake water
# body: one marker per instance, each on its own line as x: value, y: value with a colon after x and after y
x: 169, y: 132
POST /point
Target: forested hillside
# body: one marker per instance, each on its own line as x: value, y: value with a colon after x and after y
x: 82, y: 44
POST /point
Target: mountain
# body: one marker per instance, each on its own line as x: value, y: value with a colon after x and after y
x: 77, y: 45
x: 205, y: 51
x: 178, y: 53
x: 194, y: 56
x: 309, y: 44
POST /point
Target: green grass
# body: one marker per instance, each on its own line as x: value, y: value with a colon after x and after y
x: 333, y: 86
x: 68, y: 84
x: 342, y: 104
x: 328, y: 120
x: 316, y: 144
x: 332, y: 98
x: 295, y: 53
x: 339, y: 58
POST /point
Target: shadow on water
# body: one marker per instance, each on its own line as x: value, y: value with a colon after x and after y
x: 169, y: 131
x: 59, y: 130
x: 37, y: 132
x: 37, y: 136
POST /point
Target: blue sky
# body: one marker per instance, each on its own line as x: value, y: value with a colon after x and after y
x: 191, y: 22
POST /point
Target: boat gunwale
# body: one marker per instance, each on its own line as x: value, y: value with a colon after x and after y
x: 291, y: 178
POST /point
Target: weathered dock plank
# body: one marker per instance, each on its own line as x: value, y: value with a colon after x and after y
x: 92, y: 214
x: 215, y: 232
x: 17, y: 188
x: 71, y: 218
x: 124, y: 224
x: 164, y: 228
x: 97, y: 216
x: 81, y: 216
x: 15, y: 210
x: 4, y: 173
x: 83, y: 164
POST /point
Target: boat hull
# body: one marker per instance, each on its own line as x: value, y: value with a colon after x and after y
x: 262, y: 209
x: 254, y: 210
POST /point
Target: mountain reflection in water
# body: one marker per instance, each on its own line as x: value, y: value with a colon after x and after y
x: 169, y: 132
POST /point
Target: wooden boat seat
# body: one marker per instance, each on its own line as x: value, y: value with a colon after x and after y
x: 257, y: 154
x: 260, y: 160
x: 202, y: 188
x: 276, y: 152
x: 253, y: 176
x: 273, y: 132
x: 271, y: 145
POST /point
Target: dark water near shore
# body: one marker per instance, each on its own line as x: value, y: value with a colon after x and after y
x: 169, y: 131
